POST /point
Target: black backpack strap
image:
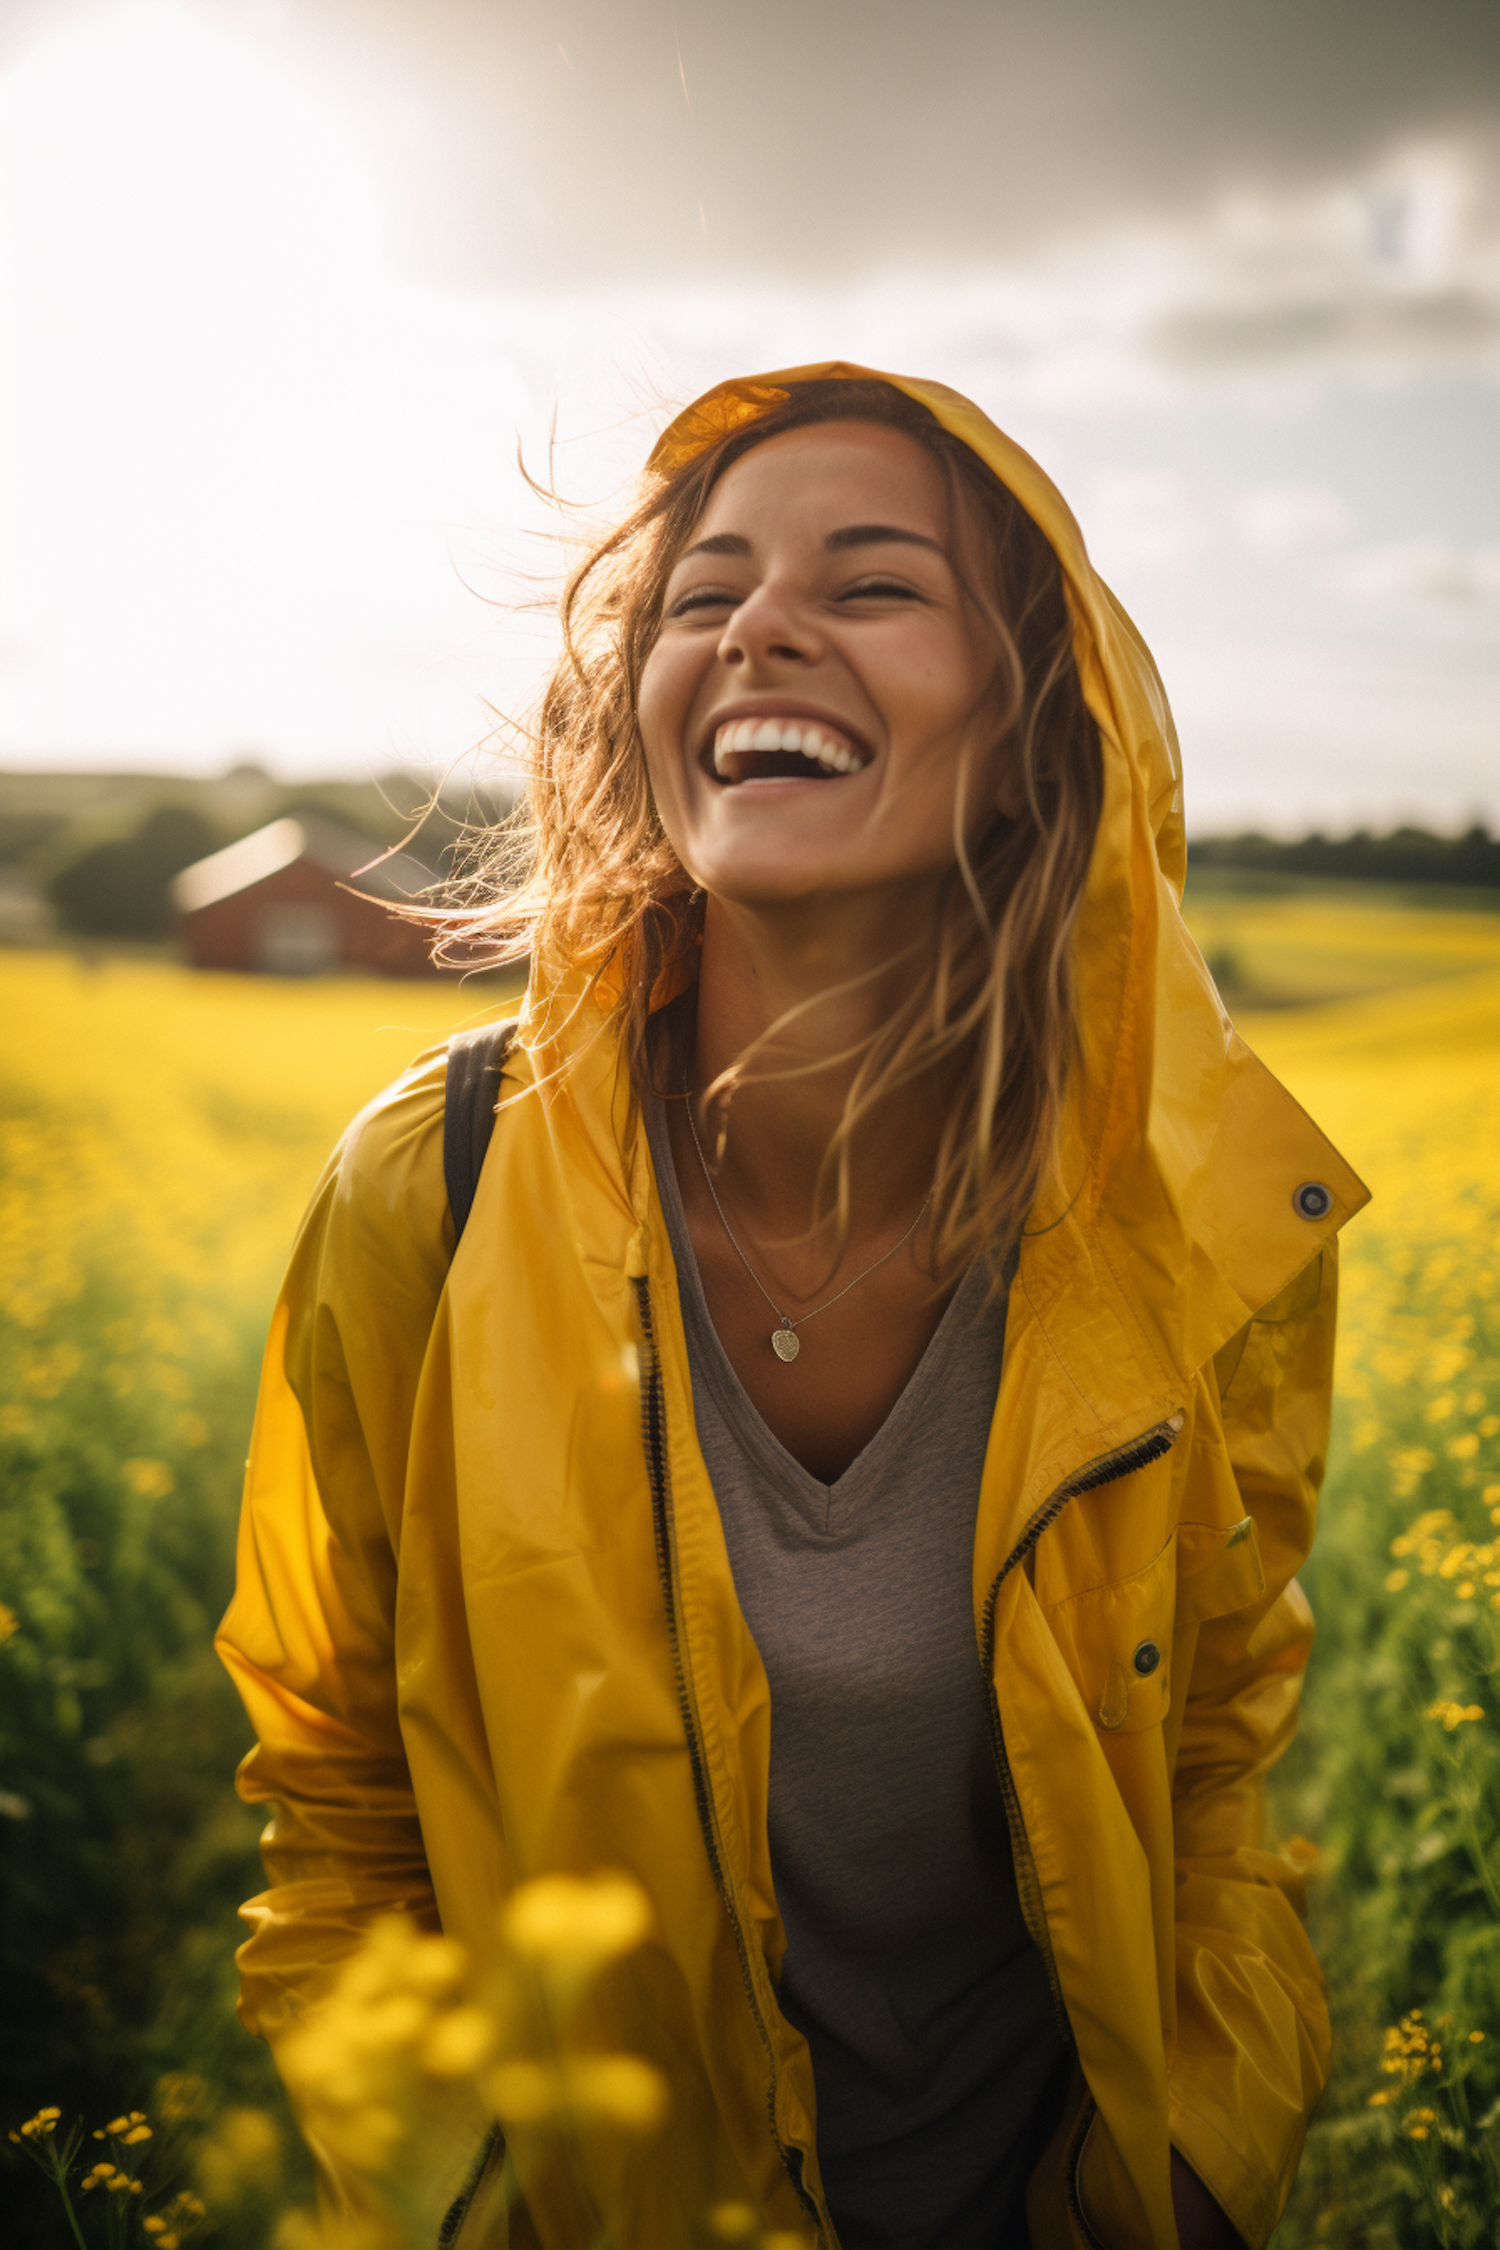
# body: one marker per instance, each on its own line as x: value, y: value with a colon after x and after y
x: 475, y: 1062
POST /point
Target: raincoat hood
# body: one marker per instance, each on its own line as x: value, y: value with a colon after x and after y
x: 1175, y: 1141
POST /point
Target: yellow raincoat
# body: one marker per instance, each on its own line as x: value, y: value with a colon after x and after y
x: 485, y: 1624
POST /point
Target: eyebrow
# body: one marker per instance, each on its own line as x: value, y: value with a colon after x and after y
x: 837, y: 542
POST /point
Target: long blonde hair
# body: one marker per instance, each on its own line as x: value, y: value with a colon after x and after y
x: 582, y: 877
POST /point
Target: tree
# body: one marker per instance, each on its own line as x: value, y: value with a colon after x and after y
x: 120, y: 889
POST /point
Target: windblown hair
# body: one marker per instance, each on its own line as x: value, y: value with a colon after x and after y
x: 583, y: 877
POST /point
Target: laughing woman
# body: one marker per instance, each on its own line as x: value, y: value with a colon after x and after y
x: 851, y: 1469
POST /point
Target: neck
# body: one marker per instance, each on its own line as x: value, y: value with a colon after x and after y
x: 756, y: 969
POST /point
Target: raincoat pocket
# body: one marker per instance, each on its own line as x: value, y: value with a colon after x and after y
x: 1117, y: 1638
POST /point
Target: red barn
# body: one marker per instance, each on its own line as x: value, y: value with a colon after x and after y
x: 282, y: 901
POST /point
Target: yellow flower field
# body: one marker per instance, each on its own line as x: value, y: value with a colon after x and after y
x: 185, y: 1116
x: 159, y: 1134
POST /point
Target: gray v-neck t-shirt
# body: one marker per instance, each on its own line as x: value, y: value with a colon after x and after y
x: 936, y: 2048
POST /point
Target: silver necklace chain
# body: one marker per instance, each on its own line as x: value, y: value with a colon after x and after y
x: 785, y: 1342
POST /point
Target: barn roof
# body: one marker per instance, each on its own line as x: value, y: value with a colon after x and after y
x: 281, y: 843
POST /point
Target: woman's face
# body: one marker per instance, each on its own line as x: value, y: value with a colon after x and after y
x: 820, y: 676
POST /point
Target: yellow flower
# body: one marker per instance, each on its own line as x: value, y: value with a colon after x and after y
x: 366, y: 2137
x: 245, y: 2145
x: 392, y: 2022
x: 149, y: 1480
x: 1475, y: 2037
x: 435, y: 1964
x: 9, y: 1623
x: 458, y: 2043
x: 1395, y: 1580
x: 181, y: 2095
x: 618, y: 2089
x: 1454, y: 1715
x: 1463, y: 1448
x: 523, y: 2093
x: 732, y: 2222
x: 614, y: 2089
x: 563, y: 1917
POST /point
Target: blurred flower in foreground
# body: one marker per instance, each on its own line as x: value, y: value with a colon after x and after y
x: 415, y: 2032
x: 1454, y: 1714
x: 243, y: 2151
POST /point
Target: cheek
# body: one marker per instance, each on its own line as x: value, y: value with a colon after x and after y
x: 661, y: 710
x: 654, y: 717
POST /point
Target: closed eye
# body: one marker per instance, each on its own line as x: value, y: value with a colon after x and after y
x: 702, y: 597
x: 882, y: 589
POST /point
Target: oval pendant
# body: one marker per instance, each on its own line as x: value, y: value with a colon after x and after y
x: 785, y: 1343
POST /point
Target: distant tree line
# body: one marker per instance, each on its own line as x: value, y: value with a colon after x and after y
x: 119, y: 886
x: 1406, y: 855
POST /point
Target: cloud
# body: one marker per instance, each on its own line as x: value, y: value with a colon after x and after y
x: 1140, y: 519
x: 1390, y: 275
x: 1390, y: 272
x: 546, y: 144
x: 1436, y: 574
x: 1282, y: 518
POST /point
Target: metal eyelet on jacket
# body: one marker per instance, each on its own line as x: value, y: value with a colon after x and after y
x: 1312, y: 1200
x: 1146, y: 1659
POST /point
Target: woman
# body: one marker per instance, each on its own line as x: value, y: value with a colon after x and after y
x: 851, y: 1473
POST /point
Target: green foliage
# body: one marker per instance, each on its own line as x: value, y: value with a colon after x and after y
x: 1406, y: 855
x: 120, y: 888
x: 1396, y: 1774
x: 123, y: 1853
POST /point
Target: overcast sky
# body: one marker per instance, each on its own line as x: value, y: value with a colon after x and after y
x: 283, y: 284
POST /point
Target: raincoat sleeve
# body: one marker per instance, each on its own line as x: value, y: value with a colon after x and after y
x: 309, y: 1636
x: 1252, y: 2042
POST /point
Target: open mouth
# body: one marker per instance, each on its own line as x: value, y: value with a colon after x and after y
x: 782, y: 750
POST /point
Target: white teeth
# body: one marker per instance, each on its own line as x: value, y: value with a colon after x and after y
x: 808, y: 741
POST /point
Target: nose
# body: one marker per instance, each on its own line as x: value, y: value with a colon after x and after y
x: 769, y: 627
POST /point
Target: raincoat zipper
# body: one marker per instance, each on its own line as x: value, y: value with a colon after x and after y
x: 1122, y: 1461
x: 654, y: 1438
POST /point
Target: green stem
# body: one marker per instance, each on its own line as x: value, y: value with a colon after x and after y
x: 67, y: 2204
x: 1479, y: 1858
x: 1432, y: 2182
